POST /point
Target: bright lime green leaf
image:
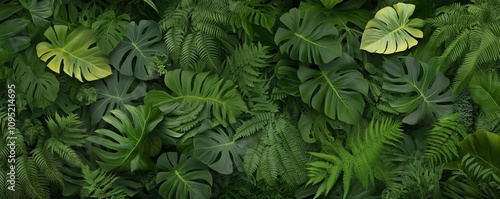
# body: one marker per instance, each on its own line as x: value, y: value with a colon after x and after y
x: 308, y: 38
x: 109, y: 30
x: 75, y: 52
x: 336, y: 89
x: 485, y: 91
x: 330, y: 3
x: 425, y: 94
x: 391, y: 30
x: 183, y: 177
x: 132, y: 56
x: 127, y: 148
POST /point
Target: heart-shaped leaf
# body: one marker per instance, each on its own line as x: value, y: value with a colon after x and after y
x: 183, y: 177
x: 421, y: 92
x: 134, y: 53
x: 127, y: 148
x: 75, y: 52
x: 391, y: 30
x: 114, y: 92
x: 109, y: 30
x: 336, y: 89
x: 308, y: 38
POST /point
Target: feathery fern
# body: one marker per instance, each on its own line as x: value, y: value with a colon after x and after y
x: 196, y: 30
x: 101, y: 184
x: 278, y: 151
x: 444, y: 138
x: 364, y: 150
x: 471, y: 34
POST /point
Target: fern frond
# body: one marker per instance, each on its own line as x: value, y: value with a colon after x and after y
x: 489, y: 122
x: 208, y: 50
x: 47, y: 163
x: 33, y: 186
x: 101, y: 184
x: 365, y: 149
x: 67, y: 129
x: 444, y: 139
x: 454, y: 51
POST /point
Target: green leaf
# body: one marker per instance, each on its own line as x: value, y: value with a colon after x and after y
x: 336, y: 89
x: 39, y: 86
x: 152, y: 4
x: 76, y: 53
x: 126, y: 149
x: 109, y: 30
x: 11, y: 27
x: 391, y: 30
x: 8, y: 10
x: 219, y: 150
x: 330, y: 3
x: 485, y: 91
x: 134, y: 53
x: 484, y: 146
x: 308, y: 38
x: 189, y: 89
x: 39, y: 11
x: 421, y: 92
x: 114, y: 92
x: 183, y: 177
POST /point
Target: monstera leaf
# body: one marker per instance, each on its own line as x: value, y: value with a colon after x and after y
x: 391, y: 30
x: 189, y: 89
x: 40, y: 87
x: 109, y: 30
x: 484, y: 146
x: 75, y: 52
x: 128, y: 149
x: 330, y: 3
x: 425, y: 94
x: 39, y: 11
x: 114, y: 92
x: 485, y: 91
x: 336, y: 89
x: 219, y: 150
x: 183, y: 177
x: 309, y: 38
x: 134, y: 53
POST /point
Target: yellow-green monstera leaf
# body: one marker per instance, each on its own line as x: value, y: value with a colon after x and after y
x: 76, y: 52
x: 391, y: 30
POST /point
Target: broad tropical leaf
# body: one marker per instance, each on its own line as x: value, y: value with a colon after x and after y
x: 109, y: 30
x: 39, y: 11
x: 39, y: 86
x: 308, y: 37
x: 485, y: 91
x: 183, y: 177
x: 11, y: 27
x: 75, y: 52
x: 392, y: 30
x: 134, y: 53
x: 425, y: 94
x: 114, y: 92
x: 330, y: 3
x: 189, y: 89
x: 128, y: 149
x: 336, y: 89
x: 484, y: 146
x: 219, y: 149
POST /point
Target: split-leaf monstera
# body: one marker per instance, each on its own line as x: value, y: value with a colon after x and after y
x: 132, y: 56
x: 75, y: 52
x: 336, y: 89
x: 391, y: 30
x: 131, y: 149
x: 109, y: 30
x: 308, y: 37
x: 425, y: 94
x: 183, y: 177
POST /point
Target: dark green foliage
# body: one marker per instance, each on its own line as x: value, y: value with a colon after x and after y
x: 444, y: 139
x: 278, y: 152
x: 357, y: 159
x: 110, y: 30
x: 465, y: 107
